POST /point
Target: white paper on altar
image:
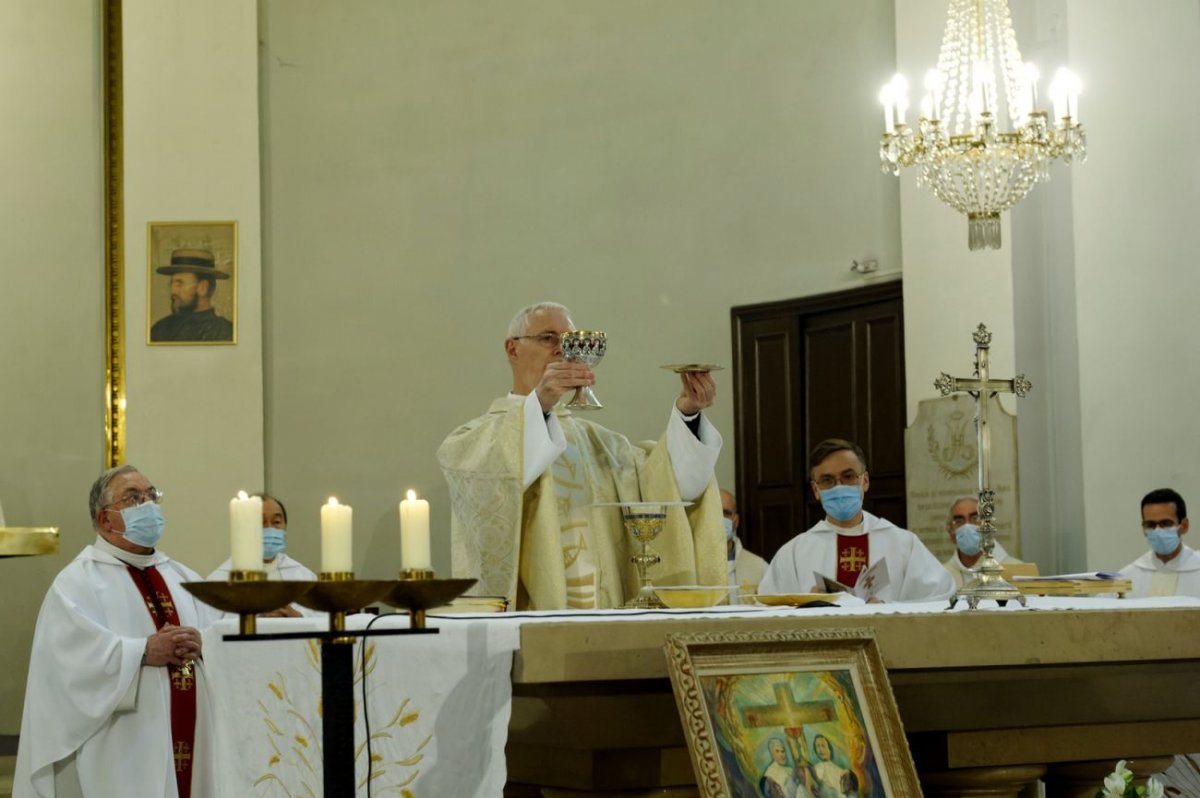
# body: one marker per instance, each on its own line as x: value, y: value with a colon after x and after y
x: 438, y: 707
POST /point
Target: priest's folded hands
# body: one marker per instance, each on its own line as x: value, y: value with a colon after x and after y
x: 172, y: 645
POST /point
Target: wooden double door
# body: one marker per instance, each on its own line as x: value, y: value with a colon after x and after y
x: 827, y: 366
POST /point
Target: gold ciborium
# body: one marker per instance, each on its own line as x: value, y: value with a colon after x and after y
x: 248, y: 596
x: 586, y: 347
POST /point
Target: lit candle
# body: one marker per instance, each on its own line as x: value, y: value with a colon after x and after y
x: 414, y: 533
x: 933, y: 84
x: 885, y: 97
x: 900, y: 95
x: 245, y: 533
x: 1058, y: 94
x: 335, y: 538
x: 1031, y: 77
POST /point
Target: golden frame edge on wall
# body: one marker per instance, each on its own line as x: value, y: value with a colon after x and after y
x: 191, y: 283
x: 755, y: 706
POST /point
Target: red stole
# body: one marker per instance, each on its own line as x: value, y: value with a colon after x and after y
x: 158, y: 600
x: 853, y: 552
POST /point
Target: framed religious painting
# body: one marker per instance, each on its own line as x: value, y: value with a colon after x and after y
x: 191, y: 283
x: 769, y: 713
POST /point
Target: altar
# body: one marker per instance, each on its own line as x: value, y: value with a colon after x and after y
x: 557, y: 705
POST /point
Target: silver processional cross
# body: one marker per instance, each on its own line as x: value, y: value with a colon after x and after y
x: 988, y: 581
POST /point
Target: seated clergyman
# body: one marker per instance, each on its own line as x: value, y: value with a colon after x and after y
x: 850, y: 540
x: 744, y: 566
x: 524, y: 478
x: 276, y: 562
x: 1170, y: 567
x: 962, y: 526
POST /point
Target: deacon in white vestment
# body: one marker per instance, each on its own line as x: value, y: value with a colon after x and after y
x: 116, y: 702
x: 850, y: 540
x: 525, y: 477
x: 276, y: 563
x: 1169, y: 568
x: 744, y: 567
x: 968, y: 541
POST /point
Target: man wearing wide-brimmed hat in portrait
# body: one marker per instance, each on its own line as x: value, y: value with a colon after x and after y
x: 194, y: 277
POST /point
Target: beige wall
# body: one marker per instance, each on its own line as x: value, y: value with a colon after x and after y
x: 432, y: 167
x: 51, y: 307
x: 192, y: 154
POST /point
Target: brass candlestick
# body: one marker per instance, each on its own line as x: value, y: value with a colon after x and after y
x: 248, y: 595
x: 418, y: 594
x: 339, y: 592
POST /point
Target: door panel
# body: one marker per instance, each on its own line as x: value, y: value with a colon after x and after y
x: 830, y: 366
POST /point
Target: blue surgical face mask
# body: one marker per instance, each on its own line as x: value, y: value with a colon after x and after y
x: 143, y: 524
x: 968, y: 540
x: 728, y: 528
x: 273, y: 542
x: 1163, y: 541
x: 843, y: 502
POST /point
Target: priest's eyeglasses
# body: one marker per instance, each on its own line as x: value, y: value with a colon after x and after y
x: 547, y: 340
x: 133, y: 498
x: 848, y: 477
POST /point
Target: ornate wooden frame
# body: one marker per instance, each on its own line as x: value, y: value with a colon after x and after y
x: 691, y: 658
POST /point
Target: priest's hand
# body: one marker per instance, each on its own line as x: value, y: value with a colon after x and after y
x: 559, y: 377
x: 699, y: 392
x: 283, y: 612
x: 172, y: 645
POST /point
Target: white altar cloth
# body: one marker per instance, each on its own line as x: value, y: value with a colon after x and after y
x: 438, y: 705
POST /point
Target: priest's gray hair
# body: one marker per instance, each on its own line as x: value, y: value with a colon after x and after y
x: 520, y: 323
x: 974, y: 497
x: 98, y: 497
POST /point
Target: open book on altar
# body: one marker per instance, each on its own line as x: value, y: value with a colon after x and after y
x: 1086, y: 576
x: 870, y: 581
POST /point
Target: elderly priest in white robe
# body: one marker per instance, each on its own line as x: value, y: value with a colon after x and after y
x: 524, y: 478
x: 850, y: 540
x: 116, y: 702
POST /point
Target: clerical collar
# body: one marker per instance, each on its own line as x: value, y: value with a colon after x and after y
x: 128, y: 557
x: 853, y: 530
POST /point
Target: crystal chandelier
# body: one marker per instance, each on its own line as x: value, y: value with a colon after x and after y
x: 961, y: 152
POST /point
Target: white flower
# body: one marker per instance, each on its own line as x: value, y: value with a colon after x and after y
x: 1114, y: 784
x: 1125, y: 773
x: 1154, y: 789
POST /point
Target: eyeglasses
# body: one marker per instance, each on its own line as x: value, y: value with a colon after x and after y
x: 547, y: 340
x: 133, y: 498
x: 827, y: 481
x: 959, y: 520
x: 1165, y: 523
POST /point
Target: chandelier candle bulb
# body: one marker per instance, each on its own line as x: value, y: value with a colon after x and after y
x: 885, y: 97
x: 245, y: 533
x: 414, y: 534
x: 336, y: 546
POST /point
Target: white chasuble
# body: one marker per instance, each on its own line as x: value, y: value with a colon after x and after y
x: 914, y: 574
x: 93, y: 713
x: 515, y: 529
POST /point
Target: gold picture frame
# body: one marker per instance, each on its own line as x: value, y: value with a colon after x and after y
x: 766, y: 711
x: 191, y: 283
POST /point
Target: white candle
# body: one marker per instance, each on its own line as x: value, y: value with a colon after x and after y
x: 414, y: 533
x: 336, y: 546
x: 885, y: 97
x: 245, y: 532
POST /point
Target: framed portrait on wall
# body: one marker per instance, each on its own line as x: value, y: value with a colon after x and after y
x: 769, y: 713
x: 191, y: 283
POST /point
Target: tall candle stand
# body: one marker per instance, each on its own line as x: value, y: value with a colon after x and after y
x: 336, y: 594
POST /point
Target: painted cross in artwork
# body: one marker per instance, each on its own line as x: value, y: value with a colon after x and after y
x: 795, y: 734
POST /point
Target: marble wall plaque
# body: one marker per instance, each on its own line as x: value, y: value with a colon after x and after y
x: 940, y: 461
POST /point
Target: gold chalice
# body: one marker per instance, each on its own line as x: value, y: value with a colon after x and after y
x: 587, y: 347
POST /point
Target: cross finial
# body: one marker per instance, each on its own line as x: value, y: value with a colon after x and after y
x: 982, y: 336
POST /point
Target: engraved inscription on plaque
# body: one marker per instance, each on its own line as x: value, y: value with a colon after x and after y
x: 941, y: 463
